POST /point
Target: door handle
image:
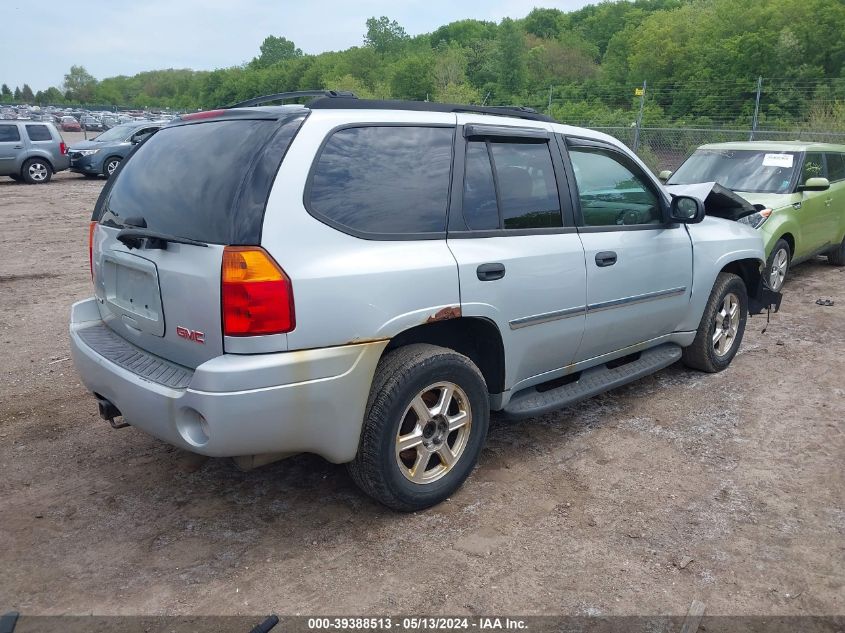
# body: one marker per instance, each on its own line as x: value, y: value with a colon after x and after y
x: 605, y: 258
x: 490, y: 272
x: 18, y: 147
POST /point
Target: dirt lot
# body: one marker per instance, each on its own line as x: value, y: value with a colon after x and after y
x: 725, y: 488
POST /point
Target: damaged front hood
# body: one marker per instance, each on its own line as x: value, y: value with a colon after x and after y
x: 718, y: 201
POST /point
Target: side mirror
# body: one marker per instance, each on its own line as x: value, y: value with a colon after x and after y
x: 686, y: 210
x: 815, y: 184
x: 665, y: 175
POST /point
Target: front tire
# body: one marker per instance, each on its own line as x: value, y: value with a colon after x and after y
x: 425, y: 426
x: 36, y: 171
x: 722, y: 326
x: 777, y: 267
x: 110, y: 166
x: 836, y: 255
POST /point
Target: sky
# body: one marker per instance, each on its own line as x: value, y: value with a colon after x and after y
x: 42, y: 40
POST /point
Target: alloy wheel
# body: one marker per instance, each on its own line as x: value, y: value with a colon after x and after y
x: 780, y: 263
x: 434, y: 432
x: 727, y: 324
x: 38, y: 172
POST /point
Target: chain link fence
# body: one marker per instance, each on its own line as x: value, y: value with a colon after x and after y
x: 664, y: 123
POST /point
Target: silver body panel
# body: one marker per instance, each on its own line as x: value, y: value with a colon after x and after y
x: 13, y: 154
x: 306, y: 391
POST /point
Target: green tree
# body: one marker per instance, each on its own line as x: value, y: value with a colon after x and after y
x: 5, y: 92
x: 384, y: 36
x: 412, y: 78
x: 274, y: 50
x: 26, y: 94
x: 17, y: 95
x: 545, y: 23
x: 79, y: 84
x: 511, y: 57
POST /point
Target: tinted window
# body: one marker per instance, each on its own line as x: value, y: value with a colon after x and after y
x: 527, y: 186
x: 612, y: 193
x: 481, y: 211
x: 207, y: 181
x: 38, y: 133
x: 9, y: 133
x: 835, y: 167
x: 813, y: 167
x: 384, y: 179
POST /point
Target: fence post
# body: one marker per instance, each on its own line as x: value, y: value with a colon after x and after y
x: 639, y: 120
x: 756, y: 109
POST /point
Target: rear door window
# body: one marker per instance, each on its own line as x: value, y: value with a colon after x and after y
x: 38, y: 133
x: 388, y: 180
x: 835, y: 167
x: 9, y: 134
x: 205, y: 181
x: 510, y: 185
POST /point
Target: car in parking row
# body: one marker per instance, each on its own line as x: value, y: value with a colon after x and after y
x: 797, y: 188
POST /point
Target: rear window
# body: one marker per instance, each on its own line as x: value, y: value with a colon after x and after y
x: 205, y: 181
x: 9, y: 133
x: 384, y: 180
x: 38, y: 133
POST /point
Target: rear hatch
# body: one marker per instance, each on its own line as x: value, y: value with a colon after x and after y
x: 165, y: 217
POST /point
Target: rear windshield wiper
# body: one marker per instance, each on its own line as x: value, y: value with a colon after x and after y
x: 145, y: 238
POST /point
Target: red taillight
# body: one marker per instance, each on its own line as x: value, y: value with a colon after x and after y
x: 92, y: 226
x: 256, y: 295
x: 63, y: 148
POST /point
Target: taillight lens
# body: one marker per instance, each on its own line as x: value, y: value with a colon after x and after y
x: 92, y: 226
x: 256, y: 294
x: 63, y: 148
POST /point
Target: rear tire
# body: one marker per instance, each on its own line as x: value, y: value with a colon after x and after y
x: 722, y: 326
x: 777, y: 267
x: 425, y: 426
x: 36, y: 171
x: 836, y: 255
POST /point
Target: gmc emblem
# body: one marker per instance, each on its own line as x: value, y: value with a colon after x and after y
x: 192, y: 335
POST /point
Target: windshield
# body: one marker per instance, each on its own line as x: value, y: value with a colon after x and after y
x: 754, y: 171
x: 118, y: 133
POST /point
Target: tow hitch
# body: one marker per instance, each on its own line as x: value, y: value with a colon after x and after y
x: 109, y: 412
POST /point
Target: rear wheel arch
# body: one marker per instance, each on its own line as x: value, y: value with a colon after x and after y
x: 40, y: 157
x: 476, y: 338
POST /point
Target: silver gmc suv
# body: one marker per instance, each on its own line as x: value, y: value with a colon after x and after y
x: 368, y: 280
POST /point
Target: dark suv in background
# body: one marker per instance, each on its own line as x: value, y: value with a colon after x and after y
x: 101, y: 156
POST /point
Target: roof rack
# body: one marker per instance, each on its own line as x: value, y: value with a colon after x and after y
x: 281, y: 96
x: 340, y: 101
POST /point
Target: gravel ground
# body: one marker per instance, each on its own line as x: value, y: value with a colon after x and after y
x: 724, y: 488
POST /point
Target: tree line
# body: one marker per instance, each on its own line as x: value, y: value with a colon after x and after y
x: 700, y: 60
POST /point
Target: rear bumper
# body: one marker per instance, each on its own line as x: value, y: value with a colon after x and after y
x: 303, y: 401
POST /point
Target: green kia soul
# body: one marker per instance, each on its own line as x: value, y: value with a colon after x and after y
x: 798, y: 189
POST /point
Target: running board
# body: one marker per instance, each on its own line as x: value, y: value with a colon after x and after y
x: 590, y: 382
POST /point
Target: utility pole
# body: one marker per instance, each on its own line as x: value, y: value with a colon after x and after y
x: 756, y: 109
x: 549, y: 109
x: 639, y: 118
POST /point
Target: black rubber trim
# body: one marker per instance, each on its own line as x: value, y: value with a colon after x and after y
x: 108, y: 344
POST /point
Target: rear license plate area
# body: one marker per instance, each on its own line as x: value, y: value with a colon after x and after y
x: 132, y: 291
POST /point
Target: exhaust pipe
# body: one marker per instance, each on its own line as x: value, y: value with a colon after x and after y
x: 109, y: 412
